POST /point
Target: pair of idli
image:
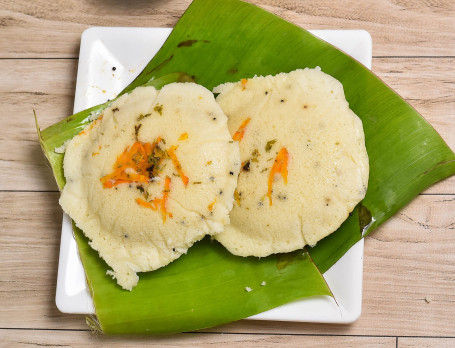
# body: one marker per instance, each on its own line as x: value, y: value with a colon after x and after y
x: 159, y: 170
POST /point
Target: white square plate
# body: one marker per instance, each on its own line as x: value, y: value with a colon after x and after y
x: 110, y: 58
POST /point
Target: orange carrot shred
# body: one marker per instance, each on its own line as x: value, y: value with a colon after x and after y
x: 145, y: 204
x: 131, y: 166
x: 238, y: 135
x: 237, y: 197
x: 178, y: 166
x: 210, y: 206
x: 280, y: 166
x: 162, y: 201
x: 243, y: 82
x: 184, y: 136
x: 159, y: 202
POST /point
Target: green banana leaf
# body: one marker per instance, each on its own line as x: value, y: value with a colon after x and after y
x: 204, y: 288
x: 217, y: 41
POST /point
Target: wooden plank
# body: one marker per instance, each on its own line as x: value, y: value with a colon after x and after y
x: 29, y: 251
x: 23, y: 338
x: 50, y: 84
x: 409, y: 273
x: 48, y: 88
x: 411, y: 261
x: 398, y: 28
x: 58, y: 25
x: 426, y: 342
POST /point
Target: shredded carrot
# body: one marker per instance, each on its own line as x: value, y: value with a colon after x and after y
x: 238, y: 136
x: 133, y: 165
x: 210, y: 206
x: 95, y: 153
x: 111, y: 183
x: 158, y: 202
x: 145, y: 204
x: 173, y: 156
x: 243, y: 82
x: 162, y: 201
x: 184, y: 136
x: 279, y: 166
x: 237, y: 197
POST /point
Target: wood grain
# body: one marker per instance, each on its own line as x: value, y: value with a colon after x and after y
x: 29, y: 249
x: 22, y: 338
x: 427, y: 84
x: 44, y: 29
x: 399, y: 28
x: 51, y: 94
x: 425, y: 342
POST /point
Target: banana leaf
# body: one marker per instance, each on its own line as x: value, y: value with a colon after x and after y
x: 217, y: 41
x: 207, y: 287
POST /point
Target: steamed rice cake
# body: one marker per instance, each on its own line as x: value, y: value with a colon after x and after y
x: 152, y: 175
x: 304, y: 162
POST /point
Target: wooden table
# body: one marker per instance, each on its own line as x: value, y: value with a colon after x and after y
x: 409, y: 276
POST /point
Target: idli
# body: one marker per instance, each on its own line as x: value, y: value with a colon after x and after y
x: 304, y: 162
x: 155, y: 173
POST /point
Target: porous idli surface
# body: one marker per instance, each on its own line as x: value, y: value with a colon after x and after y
x: 305, y: 166
x: 187, y: 193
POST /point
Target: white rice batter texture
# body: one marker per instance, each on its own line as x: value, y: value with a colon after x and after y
x: 155, y: 173
x: 304, y: 162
